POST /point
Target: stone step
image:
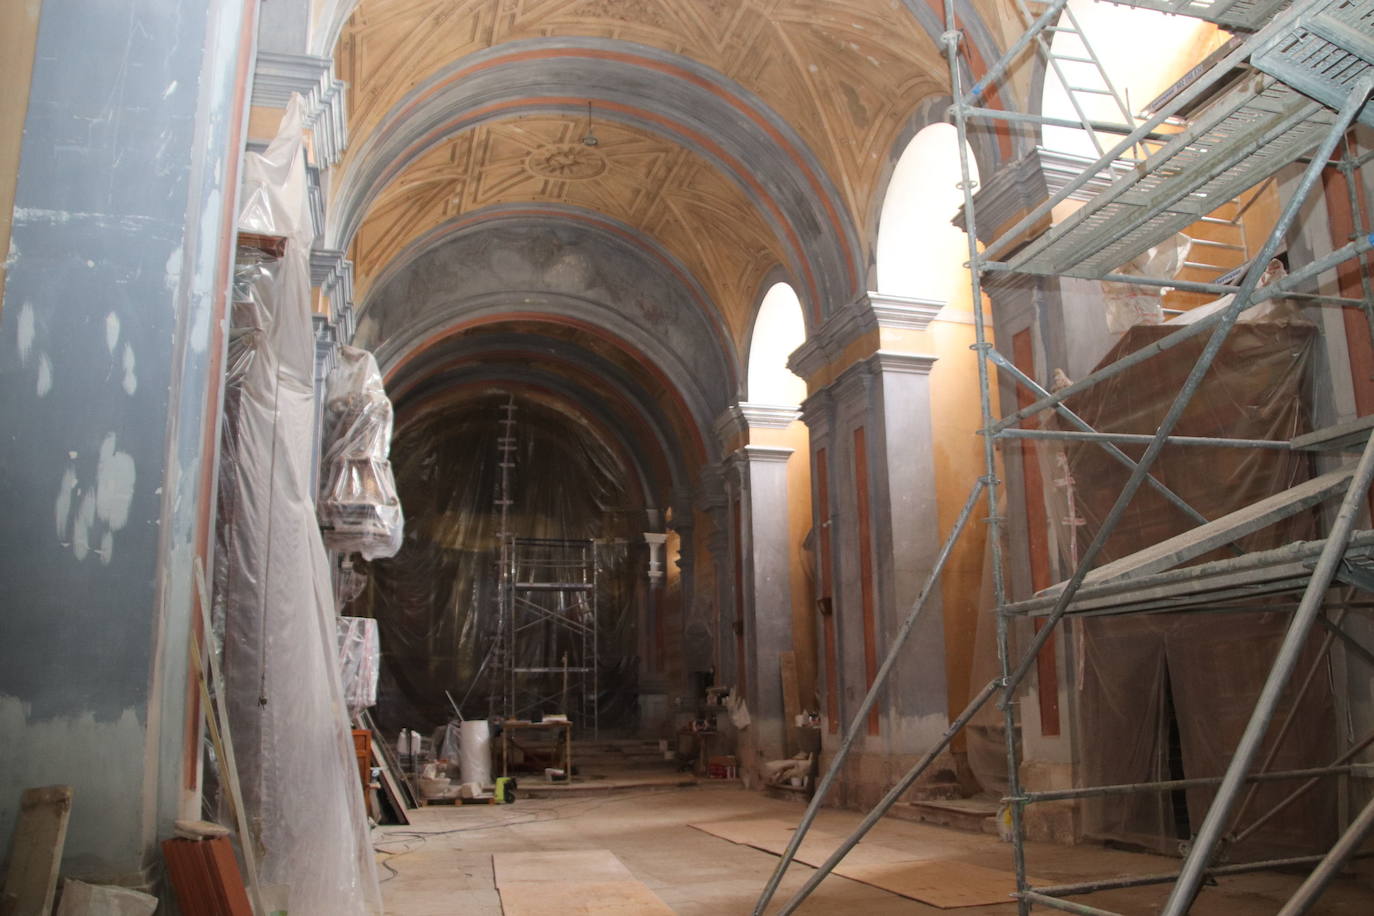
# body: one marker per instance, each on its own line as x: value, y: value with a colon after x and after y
x: 533, y: 787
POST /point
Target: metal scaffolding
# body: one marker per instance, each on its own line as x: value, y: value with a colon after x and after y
x: 1288, y: 91
x: 544, y: 645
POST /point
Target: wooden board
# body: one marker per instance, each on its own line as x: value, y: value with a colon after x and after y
x: 562, y: 865
x: 40, y: 832
x: 1204, y: 538
x: 945, y: 883
x: 774, y: 835
x: 581, y: 898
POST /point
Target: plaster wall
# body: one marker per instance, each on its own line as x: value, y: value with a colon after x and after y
x: 108, y: 344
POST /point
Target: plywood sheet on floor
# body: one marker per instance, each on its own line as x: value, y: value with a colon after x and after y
x: 774, y: 835
x: 923, y: 872
x: 945, y: 883
x: 562, y: 865
x: 581, y: 898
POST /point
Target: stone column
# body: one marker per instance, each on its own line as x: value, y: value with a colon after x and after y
x: 767, y: 589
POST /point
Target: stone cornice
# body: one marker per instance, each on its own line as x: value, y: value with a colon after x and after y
x: 1019, y: 186
x: 277, y: 75
x: 816, y: 414
x: 730, y: 425
x: 767, y: 416
x: 765, y: 453
x: 903, y: 311
x: 906, y: 363
x: 869, y: 312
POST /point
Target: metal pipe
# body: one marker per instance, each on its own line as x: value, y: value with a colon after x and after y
x: 1067, y: 906
x: 1021, y: 117
x: 1174, y: 784
x: 890, y: 798
x: 1290, y: 717
x: 1012, y: 53
x: 1204, y: 844
x: 1350, y: 754
x: 1111, y: 884
x: 856, y: 725
x: 1331, y: 553
x: 1187, y: 332
x: 982, y: 347
x: 1140, y: 439
x: 1010, y: 368
x: 1325, y: 872
x: 1203, y: 85
x: 1347, y: 640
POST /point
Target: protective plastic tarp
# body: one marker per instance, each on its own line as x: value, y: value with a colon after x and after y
x: 358, y: 507
x: 1166, y: 696
x: 359, y: 662
x: 285, y: 701
x: 436, y: 601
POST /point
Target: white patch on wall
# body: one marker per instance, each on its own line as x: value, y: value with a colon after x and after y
x: 104, y: 507
x: 63, y: 508
x: 130, y: 379
x: 43, y: 383
x: 172, y: 272
x: 111, y: 332
x: 81, y: 531
x: 25, y: 333
x: 114, y: 484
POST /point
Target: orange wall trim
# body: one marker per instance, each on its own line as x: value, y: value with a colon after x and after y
x: 1037, y: 540
x: 866, y: 569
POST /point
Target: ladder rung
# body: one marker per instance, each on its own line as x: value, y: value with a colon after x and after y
x: 1218, y: 221
x: 1060, y: 28
x: 1090, y: 91
x: 1075, y: 60
x: 1211, y: 244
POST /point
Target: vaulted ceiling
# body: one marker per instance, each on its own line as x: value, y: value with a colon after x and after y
x: 737, y: 142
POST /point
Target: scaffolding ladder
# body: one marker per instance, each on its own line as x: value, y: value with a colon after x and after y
x: 1289, y: 91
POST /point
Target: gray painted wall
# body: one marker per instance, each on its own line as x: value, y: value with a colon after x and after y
x: 108, y: 311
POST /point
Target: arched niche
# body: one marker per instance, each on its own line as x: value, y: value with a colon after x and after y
x: 779, y: 329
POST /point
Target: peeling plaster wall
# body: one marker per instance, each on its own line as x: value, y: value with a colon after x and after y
x: 107, y: 349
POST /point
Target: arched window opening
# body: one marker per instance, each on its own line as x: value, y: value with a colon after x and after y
x: 920, y: 253
x: 778, y: 330
x: 1143, y: 53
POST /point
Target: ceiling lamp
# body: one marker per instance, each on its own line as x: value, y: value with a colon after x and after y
x: 589, y: 139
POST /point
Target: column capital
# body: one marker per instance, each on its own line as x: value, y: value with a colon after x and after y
x: 908, y: 363
x: 762, y: 454
x: 277, y: 75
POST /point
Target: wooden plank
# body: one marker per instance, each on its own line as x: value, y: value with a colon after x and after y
x: 40, y: 832
x: 773, y: 836
x: 946, y: 883
x: 581, y: 898
x: 561, y: 865
x: 1183, y: 547
x: 1349, y: 435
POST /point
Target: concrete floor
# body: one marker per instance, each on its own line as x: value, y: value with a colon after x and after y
x: 442, y: 862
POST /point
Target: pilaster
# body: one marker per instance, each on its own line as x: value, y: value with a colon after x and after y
x: 278, y: 74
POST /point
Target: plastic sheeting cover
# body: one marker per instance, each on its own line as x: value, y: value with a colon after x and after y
x: 285, y: 700
x: 436, y: 600
x: 359, y: 510
x: 359, y: 661
x: 1167, y: 695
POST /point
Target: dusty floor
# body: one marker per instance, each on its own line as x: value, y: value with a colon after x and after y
x: 442, y: 863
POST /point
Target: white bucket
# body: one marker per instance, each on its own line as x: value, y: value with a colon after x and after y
x: 474, y: 752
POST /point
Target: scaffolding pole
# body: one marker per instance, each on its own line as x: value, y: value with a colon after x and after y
x: 1330, y: 553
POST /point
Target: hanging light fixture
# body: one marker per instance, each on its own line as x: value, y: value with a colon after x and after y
x: 589, y: 139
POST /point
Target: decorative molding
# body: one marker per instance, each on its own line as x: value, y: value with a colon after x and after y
x: 1019, y: 186
x: 767, y: 416
x: 276, y: 76
x: 904, y: 363
x: 817, y: 412
x: 332, y: 273
x: 868, y: 312
x: 730, y: 425
x: 765, y: 454
x: 905, y: 312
